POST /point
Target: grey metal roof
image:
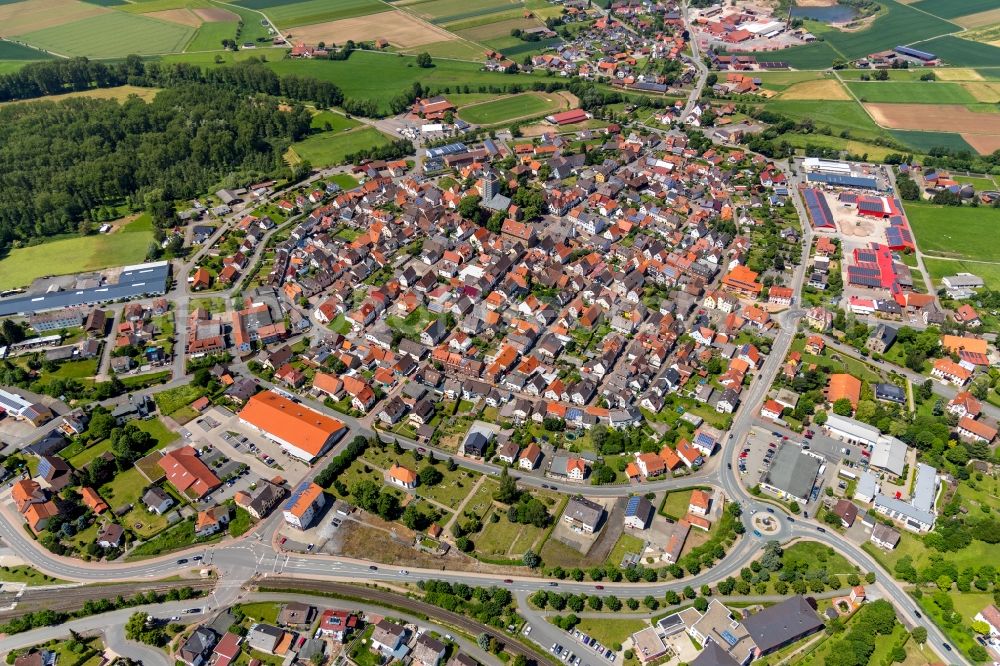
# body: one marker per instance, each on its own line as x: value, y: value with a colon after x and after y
x: 793, y: 471
x: 779, y: 624
x: 133, y: 282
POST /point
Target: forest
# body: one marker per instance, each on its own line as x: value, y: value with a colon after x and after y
x: 64, y: 160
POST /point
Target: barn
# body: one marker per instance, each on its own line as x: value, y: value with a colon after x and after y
x: 568, y: 117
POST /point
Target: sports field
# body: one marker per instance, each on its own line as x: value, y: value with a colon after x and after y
x: 73, y: 255
x: 327, y: 149
x: 955, y: 231
x: 905, y: 92
x: 111, y: 35
x: 380, y: 77
x: 290, y: 13
x: 505, y: 109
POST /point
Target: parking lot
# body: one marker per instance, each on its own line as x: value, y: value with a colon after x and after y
x: 222, y: 429
x: 762, y: 445
x: 582, y: 649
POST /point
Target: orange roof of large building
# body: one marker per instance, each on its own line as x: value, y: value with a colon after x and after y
x: 187, y: 473
x: 296, y: 424
x: 670, y: 458
x: 743, y: 279
x: 957, y: 343
x: 843, y: 385
x: 36, y: 513
x: 25, y: 492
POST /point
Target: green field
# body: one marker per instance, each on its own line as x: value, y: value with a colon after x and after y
x: 449, y: 48
x: 905, y: 92
x: 962, y: 52
x: 837, y: 115
x: 949, y: 9
x: 939, y: 268
x: 381, y: 77
x: 112, y: 35
x: 210, y: 35
x: 74, y: 255
x: 322, y: 150
x: 953, y: 231
x: 828, y: 141
x: 305, y: 12
x: 897, y: 24
x: 19, y: 52
x: 782, y: 80
x: 328, y: 121
x: 509, y: 108
x: 924, y: 141
x: 252, y: 30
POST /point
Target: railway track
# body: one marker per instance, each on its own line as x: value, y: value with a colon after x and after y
x: 385, y: 597
x: 72, y: 598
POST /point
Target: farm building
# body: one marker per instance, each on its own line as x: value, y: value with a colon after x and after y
x: 915, y: 53
x: 819, y: 210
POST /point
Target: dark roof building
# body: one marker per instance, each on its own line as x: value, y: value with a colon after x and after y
x: 782, y: 624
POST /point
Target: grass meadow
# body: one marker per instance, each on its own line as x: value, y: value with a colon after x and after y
x: 955, y: 231
x: 111, y: 35
x: 210, y: 35
x: 326, y: 149
x: 509, y: 108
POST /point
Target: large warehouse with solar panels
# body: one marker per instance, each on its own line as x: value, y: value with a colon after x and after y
x: 819, y: 210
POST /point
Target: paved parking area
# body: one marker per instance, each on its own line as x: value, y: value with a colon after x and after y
x: 222, y: 429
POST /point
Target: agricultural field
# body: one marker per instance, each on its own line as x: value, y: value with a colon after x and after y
x: 953, y: 231
x: 949, y: 9
x: 779, y: 81
x: 17, y: 18
x: 381, y: 77
x: 939, y: 268
x: 74, y: 255
x: 322, y: 150
x: 506, y: 109
x: 981, y: 130
x: 838, y: 116
x: 449, y: 11
x: 210, y: 35
x: 905, y: 92
x: 19, y: 53
x: 962, y: 52
x: 924, y: 142
x: 828, y: 141
x: 291, y: 13
x: 450, y: 48
x: 823, y: 89
x: 119, y: 93
x: 110, y: 35
x: 400, y: 29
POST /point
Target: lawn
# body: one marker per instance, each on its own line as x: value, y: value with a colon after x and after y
x: 504, y: 539
x: 22, y: 573
x: 815, y: 555
x: 289, y: 14
x: 328, y: 149
x: 264, y: 611
x: 610, y: 632
x: 210, y: 35
x: 953, y: 231
x: 345, y: 180
x: 75, y: 369
x: 241, y: 523
x: 171, y: 400
x: 510, y: 108
x: 125, y: 488
x: 179, y: 536
x: 675, y: 505
x: 82, y: 459
x: 380, y: 77
x: 907, y: 92
x: 413, y: 324
x: 77, y: 254
x: 112, y: 35
x: 626, y: 544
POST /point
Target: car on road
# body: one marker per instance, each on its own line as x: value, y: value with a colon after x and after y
x: 174, y: 618
x: 372, y: 567
x: 309, y: 547
x: 192, y: 611
x: 527, y: 629
x: 809, y: 434
x: 598, y: 587
x: 946, y: 646
x: 196, y: 558
x: 757, y: 533
x: 917, y: 613
x: 790, y: 519
x: 508, y: 581
x: 729, y: 465
x: 770, y: 510
x: 182, y: 561
x: 421, y: 450
x: 283, y: 540
x: 820, y: 529
x: 404, y: 572
x: 553, y: 584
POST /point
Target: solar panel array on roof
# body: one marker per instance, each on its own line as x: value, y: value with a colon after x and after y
x: 863, y: 278
x: 899, y: 237
x: 866, y: 256
x: 897, y: 221
x: 773, y: 64
x: 871, y: 205
x: 729, y: 638
x: 844, y: 181
x: 916, y: 53
x: 450, y: 149
x: 819, y: 209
